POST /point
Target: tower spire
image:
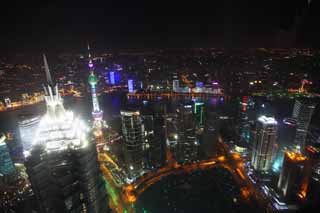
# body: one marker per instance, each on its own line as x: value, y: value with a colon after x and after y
x: 46, y: 67
x: 89, y: 54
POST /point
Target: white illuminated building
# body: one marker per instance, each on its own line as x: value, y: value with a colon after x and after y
x: 264, y: 144
x: 59, y: 129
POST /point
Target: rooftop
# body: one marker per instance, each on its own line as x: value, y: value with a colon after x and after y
x: 267, y: 120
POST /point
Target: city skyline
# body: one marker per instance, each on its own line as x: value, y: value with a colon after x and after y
x: 160, y: 107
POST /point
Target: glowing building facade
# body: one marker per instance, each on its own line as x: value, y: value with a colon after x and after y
x: 62, y: 166
x: 292, y: 174
x: 199, y: 114
x: 264, y: 144
x: 6, y: 165
x: 28, y: 125
x: 175, y: 86
x: 130, y: 86
x: 133, y: 133
x: 114, y: 77
x: 302, y: 112
x: 187, y: 142
x: 97, y: 113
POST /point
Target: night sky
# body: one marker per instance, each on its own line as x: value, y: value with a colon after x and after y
x: 120, y: 24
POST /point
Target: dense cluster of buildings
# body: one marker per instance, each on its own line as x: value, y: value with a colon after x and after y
x: 62, y: 154
x: 294, y: 162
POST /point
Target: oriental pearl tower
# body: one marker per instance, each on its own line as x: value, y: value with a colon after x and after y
x: 97, y: 113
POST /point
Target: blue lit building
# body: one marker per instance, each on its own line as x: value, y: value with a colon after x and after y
x: 114, y: 77
x: 6, y: 165
x: 130, y: 86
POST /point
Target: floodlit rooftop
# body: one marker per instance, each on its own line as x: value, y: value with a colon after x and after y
x: 296, y: 156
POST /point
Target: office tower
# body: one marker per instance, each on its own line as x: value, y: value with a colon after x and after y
x: 133, y: 133
x: 312, y: 190
x: 286, y: 134
x: 114, y: 77
x: 244, y: 121
x: 97, y: 113
x: 187, y: 142
x: 175, y: 86
x: 28, y: 125
x: 302, y: 112
x: 292, y: 173
x: 62, y: 166
x: 130, y: 86
x: 6, y: 165
x: 152, y: 143
x: 264, y: 143
x: 199, y: 114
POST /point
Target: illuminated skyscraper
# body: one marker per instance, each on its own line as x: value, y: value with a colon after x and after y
x: 264, y: 143
x: 133, y: 133
x: 114, y: 77
x: 175, y: 86
x: 302, y: 112
x: 152, y: 143
x: 199, y: 114
x: 187, y: 142
x: 97, y: 113
x: 130, y: 86
x: 6, y: 165
x: 292, y: 173
x: 28, y: 125
x: 62, y: 166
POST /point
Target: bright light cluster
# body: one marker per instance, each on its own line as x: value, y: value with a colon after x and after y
x: 267, y: 120
x: 60, y: 133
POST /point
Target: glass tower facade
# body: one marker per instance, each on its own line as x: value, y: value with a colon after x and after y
x: 264, y: 144
x: 6, y: 165
x: 187, y: 142
x: 302, y: 112
x: 133, y: 133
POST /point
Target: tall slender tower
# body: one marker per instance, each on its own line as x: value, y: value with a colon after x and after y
x: 62, y: 165
x: 97, y: 113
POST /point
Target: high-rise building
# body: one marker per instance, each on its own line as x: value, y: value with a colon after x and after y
x: 133, y: 133
x: 175, y: 86
x: 187, y: 149
x: 245, y: 118
x: 97, y: 113
x: 264, y: 143
x: 6, y: 165
x: 114, y: 77
x: 28, y: 125
x: 62, y: 166
x: 312, y: 191
x: 292, y: 173
x: 286, y: 134
x: 302, y: 112
x: 199, y: 114
x: 152, y: 143
x: 130, y: 86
